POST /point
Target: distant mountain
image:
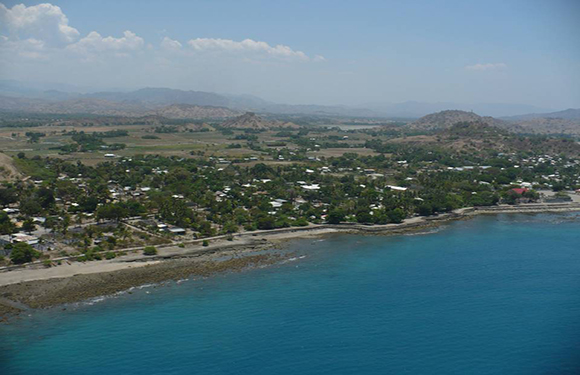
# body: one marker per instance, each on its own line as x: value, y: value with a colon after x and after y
x: 187, y: 111
x: 568, y: 114
x: 15, y: 88
x: 250, y: 120
x: 155, y: 98
x: 162, y: 97
x: 413, y: 109
x: 73, y: 106
x: 561, y: 122
x: 318, y: 110
x: 449, y: 118
x: 92, y: 106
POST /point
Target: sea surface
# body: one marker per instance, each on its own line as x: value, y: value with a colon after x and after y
x: 492, y: 295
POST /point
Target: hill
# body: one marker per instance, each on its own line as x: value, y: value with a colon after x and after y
x: 187, y: 111
x: 414, y: 109
x: 250, y: 120
x: 476, y: 136
x: 446, y: 119
x: 561, y: 122
x: 72, y: 106
x: 8, y: 171
x: 102, y: 107
x: 161, y: 97
x: 154, y: 98
x: 568, y: 114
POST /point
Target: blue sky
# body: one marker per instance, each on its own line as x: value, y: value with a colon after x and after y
x: 332, y: 52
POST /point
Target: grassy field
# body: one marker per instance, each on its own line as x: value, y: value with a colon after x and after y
x: 181, y: 144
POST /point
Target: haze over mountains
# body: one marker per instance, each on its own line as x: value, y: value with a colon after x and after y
x: 567, y: 114
x: 42, y: 98
x: 180, y: 104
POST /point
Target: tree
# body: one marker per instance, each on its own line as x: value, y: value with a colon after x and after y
x: 364, y: 216
x: 30, y: 207
x: 335, y: 216
x: 45, y: 197
x: 150, y: 250
x: 7, y: 196
x: 396, y: 216
x: 6, y: 225
x: 28, y: 225
x: 425, y: 209
x: 23, y: 253
x: 111, y: 211
x: 230, y: 227
x: 266, y: 222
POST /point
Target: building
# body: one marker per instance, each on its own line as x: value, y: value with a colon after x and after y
x: 177, y: 231
x: 520, y: 191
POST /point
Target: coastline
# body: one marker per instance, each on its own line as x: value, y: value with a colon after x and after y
x: 35, y: 287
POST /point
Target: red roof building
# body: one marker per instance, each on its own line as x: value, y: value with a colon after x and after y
x: 520, y: 191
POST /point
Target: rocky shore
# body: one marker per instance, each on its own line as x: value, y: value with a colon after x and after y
x: 52, y: 292
x: 45, y: 292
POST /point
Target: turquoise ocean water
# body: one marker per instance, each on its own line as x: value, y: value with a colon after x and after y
x: 493, y: 295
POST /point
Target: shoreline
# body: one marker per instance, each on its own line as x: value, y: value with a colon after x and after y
x: 32, y: 287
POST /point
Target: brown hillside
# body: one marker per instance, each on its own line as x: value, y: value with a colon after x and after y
x: 446, y: 119
x: 250, y: 120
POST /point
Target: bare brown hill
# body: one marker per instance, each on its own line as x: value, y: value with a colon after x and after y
x: 446, y: 119
x: 188, y: 111
x: 479, y: 136
x: 8, y: 171
x: 250, y: 120
x: 102, y: 107
x: 550, y: 125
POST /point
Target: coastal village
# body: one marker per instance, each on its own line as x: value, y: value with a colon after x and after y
x: 74, y: 212
x: 289, y: 187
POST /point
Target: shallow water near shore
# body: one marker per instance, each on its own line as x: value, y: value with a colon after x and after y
x: 493, y: 295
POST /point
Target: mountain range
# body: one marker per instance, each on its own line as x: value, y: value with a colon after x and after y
x: 147, y: 99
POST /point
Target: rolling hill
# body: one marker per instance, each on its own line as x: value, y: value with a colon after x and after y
x: 250, y: 120
x: 561, y: 122
x: 447, y: 119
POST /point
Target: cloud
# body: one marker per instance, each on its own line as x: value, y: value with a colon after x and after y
x: 488, y: 66
x: 247, y: 47
x: 95, y: 43
x: 170, y: 44
x: 29, y: 49
x: 37, y: 43
x: 44, y: 22
x: 41, y: 31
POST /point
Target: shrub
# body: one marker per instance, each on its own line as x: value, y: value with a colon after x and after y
x: 150, y: 250
x: 23, y: 253
x: 301, y: 222
x: 181, y: 245
x: 110, y: 255
x: 47, y: 263
x: 205, y: 243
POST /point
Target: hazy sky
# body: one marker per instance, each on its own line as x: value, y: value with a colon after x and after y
x: 323, y: 52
